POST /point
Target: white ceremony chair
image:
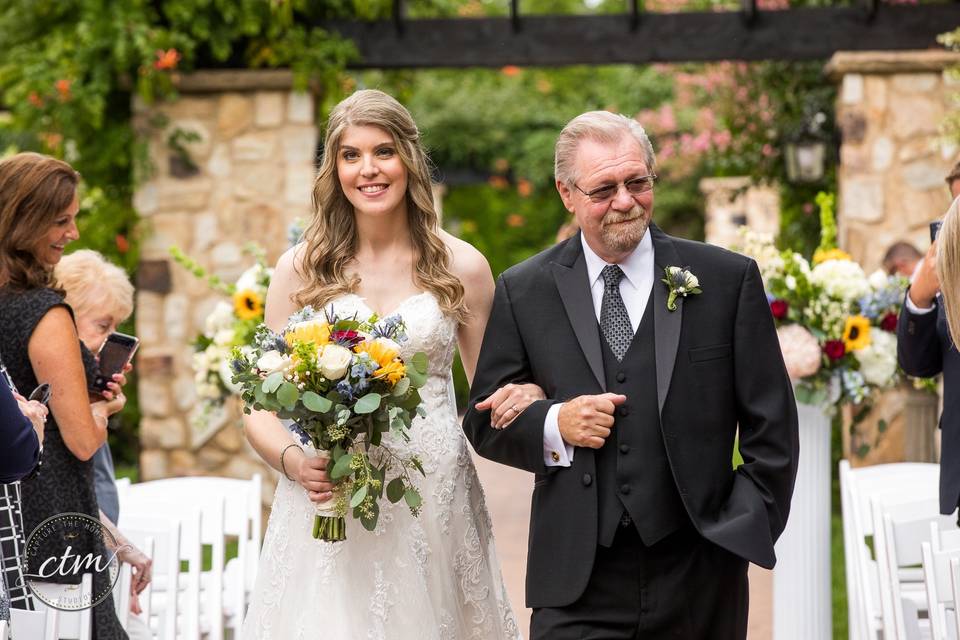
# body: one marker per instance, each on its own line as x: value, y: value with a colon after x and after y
x: 34, y: 625
x: 943, y: 547
x: 857, y: 486
x: 241, y: 520
x: 163, y: 535
x: 74, y: 624
x: 901, y: 525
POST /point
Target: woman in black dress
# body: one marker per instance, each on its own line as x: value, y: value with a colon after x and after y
x: 39, y: 343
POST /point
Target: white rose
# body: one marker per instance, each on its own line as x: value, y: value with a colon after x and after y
x: 692, y: 281
x: 334, y: 361
x: 250, y: 278
x: 878, y: 360
x: 272, y: 361
x: 878, y: 279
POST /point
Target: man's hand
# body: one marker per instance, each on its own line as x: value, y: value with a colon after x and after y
x: 586, y: 421
x: 926, y: 284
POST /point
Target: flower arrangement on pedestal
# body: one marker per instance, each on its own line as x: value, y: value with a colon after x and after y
x: 837, y: 326
x: 232, y: 323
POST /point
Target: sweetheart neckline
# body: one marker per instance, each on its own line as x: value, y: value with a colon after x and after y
x: 397, y: 308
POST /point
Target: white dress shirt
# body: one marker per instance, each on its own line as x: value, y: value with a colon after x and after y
x: 635, y: 288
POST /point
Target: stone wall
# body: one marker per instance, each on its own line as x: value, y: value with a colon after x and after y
x: 892, y: 159
x: 252, y: 175
x: 731, y: 203
x: 891, y: 185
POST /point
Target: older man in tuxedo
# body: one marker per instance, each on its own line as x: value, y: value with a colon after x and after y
x: 651, y: 351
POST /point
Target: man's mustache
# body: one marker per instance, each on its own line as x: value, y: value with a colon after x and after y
x: 616, y: 218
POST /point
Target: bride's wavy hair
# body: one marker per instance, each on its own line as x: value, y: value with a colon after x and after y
x: 331, y: 238
x: 948, y: 268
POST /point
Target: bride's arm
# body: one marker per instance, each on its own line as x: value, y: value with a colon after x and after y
x: 508, y: 401
x: 275, y: 444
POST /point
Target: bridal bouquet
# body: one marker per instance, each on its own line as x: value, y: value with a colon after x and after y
x: 343, y: 383
x: 837, y: 326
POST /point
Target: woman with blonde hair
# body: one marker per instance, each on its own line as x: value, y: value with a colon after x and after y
x: 39, y: 343
x: 375, y: 246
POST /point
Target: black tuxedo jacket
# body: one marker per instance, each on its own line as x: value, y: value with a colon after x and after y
x: 924, y: 349
x: 718, y: 364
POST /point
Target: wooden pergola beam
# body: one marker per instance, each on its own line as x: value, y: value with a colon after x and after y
x: 796, y: 34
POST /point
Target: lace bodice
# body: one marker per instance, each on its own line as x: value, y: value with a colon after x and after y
x: 432, y: 577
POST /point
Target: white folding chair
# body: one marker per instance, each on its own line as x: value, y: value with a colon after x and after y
x: 75, y: 623
x: 901, y: 526
x: 213, y: 536
x: 34, y: 625
x: 121, y: 590
x: 944, y: 546
x: 241, y: 519
x: 3, y: 630
x: 857, y: 487
x: 163, y: 536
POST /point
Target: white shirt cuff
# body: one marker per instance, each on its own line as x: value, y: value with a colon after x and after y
x: 556, y: 452
x: 914, y: 309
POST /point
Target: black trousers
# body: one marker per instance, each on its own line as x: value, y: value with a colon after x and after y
x: 682, y: 587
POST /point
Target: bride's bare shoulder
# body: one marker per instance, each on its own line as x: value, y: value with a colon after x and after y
x: 466, y: 262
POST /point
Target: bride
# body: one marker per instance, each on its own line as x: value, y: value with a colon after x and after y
x: 375, y: 246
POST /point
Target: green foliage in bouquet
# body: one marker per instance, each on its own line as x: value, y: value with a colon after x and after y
x: 345, y: 387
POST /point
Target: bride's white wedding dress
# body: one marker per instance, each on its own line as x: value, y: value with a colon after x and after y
x: 432, y: 577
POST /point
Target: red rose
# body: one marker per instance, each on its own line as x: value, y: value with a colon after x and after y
x: 779, y: 309
x: 834, y: 349
x: 889, y: 322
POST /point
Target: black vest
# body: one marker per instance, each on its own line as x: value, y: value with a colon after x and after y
x: 633, y: 473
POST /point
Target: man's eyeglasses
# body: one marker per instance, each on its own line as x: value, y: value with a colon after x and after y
x: 634, y: 186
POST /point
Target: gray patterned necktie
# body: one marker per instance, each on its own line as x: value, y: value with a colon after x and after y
x: 614, y: 319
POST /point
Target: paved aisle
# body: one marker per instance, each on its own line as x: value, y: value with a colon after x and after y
x: 508, y: 493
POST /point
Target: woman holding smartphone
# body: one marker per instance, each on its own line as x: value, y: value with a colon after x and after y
x: 39, y: 343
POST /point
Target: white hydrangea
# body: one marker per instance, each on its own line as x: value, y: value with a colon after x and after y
x: 252, y: 277
x: 878, y: 360
x: 219, y: 319
x: 879, y: 280
x: 842, y: 279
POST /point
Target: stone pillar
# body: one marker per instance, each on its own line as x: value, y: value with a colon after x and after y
x: 735, y: 202
x: 891, y: 185
x: 244, y: 172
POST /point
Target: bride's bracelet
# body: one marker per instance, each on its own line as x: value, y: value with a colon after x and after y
x: 283, y: 469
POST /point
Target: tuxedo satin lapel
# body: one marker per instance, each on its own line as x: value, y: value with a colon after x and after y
x: 573, y: 285
x: 666, y: 323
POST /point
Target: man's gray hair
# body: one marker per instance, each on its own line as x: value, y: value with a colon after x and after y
x: 600, y: 126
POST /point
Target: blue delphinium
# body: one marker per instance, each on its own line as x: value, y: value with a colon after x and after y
x: 346, y: 390
x: 298, y: 431
x: 878, y: 302
x: 855, y: 385
x: 391, y: 327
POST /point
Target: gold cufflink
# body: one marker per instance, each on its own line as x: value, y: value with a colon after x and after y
x: 555, y: 456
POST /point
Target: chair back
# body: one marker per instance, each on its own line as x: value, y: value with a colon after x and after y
x: 34, y: 625
x: 162, y: 535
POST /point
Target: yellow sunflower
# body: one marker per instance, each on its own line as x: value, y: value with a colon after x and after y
x: 856, y: 334
x: 830, y: 254
x: 311, y: 331
x: 380, y: 351
x: 247, y: 305
x: 392, y: 371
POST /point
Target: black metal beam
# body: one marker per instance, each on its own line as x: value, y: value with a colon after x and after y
x: 797, y: 34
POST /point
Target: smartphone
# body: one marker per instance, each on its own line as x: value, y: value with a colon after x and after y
x: 935, y: 229
x: 114, y: 355
x: 41, y: 394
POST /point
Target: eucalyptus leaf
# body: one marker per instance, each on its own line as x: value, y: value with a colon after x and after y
x: 288, y: 394
x: 273, y: 382
x: 395, y: 490
x: 419, y: 362
x: 412, y: 496
x: 367, y: 404
x: 342, y: 467
x: 401, y: 387
x: 416, y: 378
x: 370, y: 523
x: 358, y: 497
x: 316, y: 403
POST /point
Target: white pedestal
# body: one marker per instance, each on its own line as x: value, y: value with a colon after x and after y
x: 801, y: 579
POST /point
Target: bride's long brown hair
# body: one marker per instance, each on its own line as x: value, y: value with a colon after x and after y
x: 331, y: 238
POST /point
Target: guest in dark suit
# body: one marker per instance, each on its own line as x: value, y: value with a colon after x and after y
x: 640, y: 527
x: 924, y: 347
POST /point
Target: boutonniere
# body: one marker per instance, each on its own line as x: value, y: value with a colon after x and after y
x: 680, y: 282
